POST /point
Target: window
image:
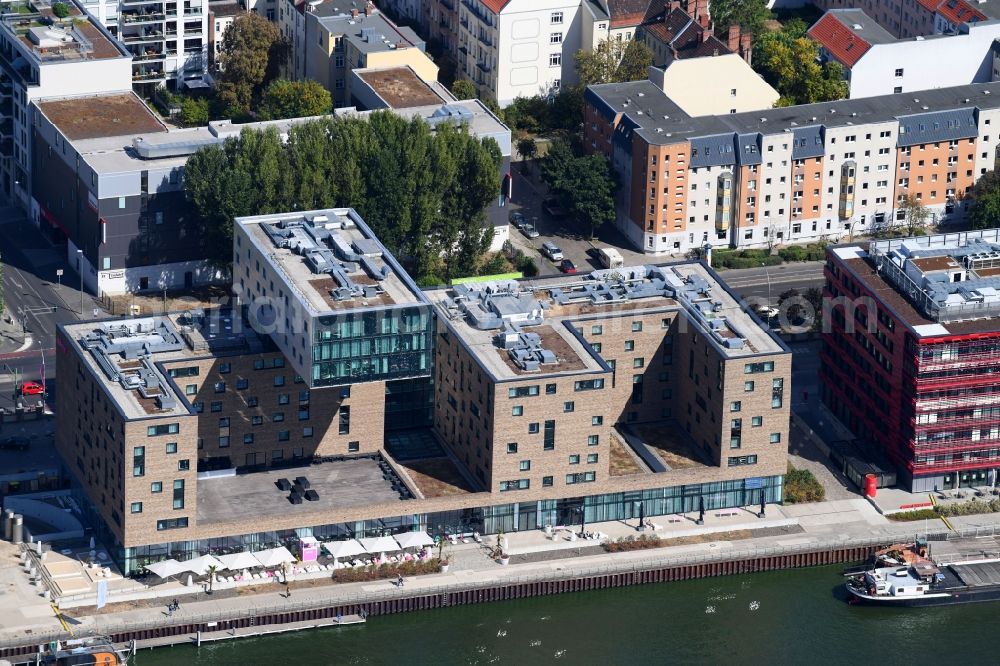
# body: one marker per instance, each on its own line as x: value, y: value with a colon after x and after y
x: 547, y: 481
x: 532, y: 428
x: 735, y: 406
x: 511, y: 447
x: 596, y: 420
x: 242, y: 384
x: 303, y: 413
x: 638, y: 362
x: 353, y: 447
x: 282, y: 398
x: 277, y: 454
x: 191, y: 389
x: 256, y: 420
x: 283, y: 435
x: 298, y: 452
x: 574, y: 460
x: 582, y: 477
x: 224, y: 422
x: 776, y: 438
x: 751, y: 368
x: 523, y: 391
x: 556, y: 17
x: 165, y: 429
x: 550, y: 389
x: 279, y: 380
x: 173, y: 523
x: 139, y: 461
x: 339, y: 84
x: 517, y: 410
x: 216, y: 406
x: 756, y: 421
x: 899, y: 72
x: 593, y: 440
x: 629, y: 345
x: 555, y: 38
x: 569, y: 406
x: 136, y: 507
x: 252, y: 401
x: 156, y: 487
x: 555, y: 59
x: 248, y: 438
x: 225, y: 368
x: 736, y: 461
x: 519, y: 484
x: 307, y: 431
x: 636, y: 326
x: 220, y: 387
x: 184, y: 465
x: 596, y: 330
x: 747, y: 387
x: 549, y: 441
x: 524, y: 466
x: 588, y: 385
x: 344, y: 427
x: 179, y: 494
x: 591, y: 458
x: 278, y: 417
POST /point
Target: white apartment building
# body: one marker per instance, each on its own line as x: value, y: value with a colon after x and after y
x: 518, y: 48
x: 76, y: 56
x: 168, y: 40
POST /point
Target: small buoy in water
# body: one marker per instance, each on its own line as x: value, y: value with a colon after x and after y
x: 502, y: 632
x: 545, y: 617
x: 709, y: 610
x: 560, y: 653
x: 754, y: 605
x: 535, y: 643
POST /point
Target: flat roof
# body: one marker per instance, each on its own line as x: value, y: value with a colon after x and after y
x: 336, y: 233
x: 93, y: 117
x: 226, y: 8
x: 400, y: 87
x: 47, y: 38
x: 501, y: 322
x: 132, y: 379
x: 650, y: 113
x: 368, y: 34
x: 340, y: 484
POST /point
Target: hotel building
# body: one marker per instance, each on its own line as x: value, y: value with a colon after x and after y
x: 912, y: 351
x: 491, y: 406
x: 788, y: 175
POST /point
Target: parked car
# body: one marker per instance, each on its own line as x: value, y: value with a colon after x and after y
x: 766, y: 311
x: 567, y: 266
x: 552, y: 251
x: 15, y: 444
x: 529, y: 230
x: 551, y: 206
x: 32, y: 388
x: 516, y: 219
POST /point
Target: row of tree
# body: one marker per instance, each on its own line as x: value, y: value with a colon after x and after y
x: 424, y: 192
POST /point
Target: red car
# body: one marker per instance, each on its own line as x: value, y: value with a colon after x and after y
x: 32, y: 388
x: 567, y: 266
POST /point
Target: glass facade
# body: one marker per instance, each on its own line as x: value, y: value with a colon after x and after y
x: 372, y: 345
x: 409, y: 403
x: 485, y: 520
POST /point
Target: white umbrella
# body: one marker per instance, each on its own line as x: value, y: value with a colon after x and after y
x: 274, y: 557
x: 414, y: 539
x: 200, y: 565
x: 165, y: 568
x: 236, y: 561
x: 376, y: 544
x: 348, y: 548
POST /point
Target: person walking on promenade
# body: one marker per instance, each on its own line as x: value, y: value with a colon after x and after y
x: 288, y: 590
x: 399, y: 580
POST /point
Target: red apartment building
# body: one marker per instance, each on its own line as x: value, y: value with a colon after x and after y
x: 911, y: 354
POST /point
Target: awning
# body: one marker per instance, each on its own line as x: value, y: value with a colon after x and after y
x: 379, y: 544
x: 348, y: 548
x: 165, y: 568
x: 274, y: 557
x: 200, y: 565
x: 237, y: 561
x: 414, y: 539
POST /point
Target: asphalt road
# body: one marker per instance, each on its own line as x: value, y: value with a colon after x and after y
x: 34, y: 300
x: 768, y: 282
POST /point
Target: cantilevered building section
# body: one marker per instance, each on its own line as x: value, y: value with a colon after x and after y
x: 912, y: 354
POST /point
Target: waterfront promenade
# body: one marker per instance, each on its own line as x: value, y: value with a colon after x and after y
x: 24, y: 614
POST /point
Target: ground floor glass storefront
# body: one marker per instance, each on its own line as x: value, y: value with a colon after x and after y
x: 485, y: 520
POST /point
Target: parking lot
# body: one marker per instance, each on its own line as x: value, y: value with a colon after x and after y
x: 571, y: 238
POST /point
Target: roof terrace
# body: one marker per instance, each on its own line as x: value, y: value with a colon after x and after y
x: 48, y: 38
x: 522, y: 328
x: 331, y: 260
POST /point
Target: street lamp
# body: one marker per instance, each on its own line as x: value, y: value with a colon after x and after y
x: 79, y: 267
x: 767, y: 274
x: 583, y: 519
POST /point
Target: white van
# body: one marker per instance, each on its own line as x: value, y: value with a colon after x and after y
x: 610, y: 257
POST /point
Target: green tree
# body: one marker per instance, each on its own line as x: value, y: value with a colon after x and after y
x: 985, y: 197
x: 614, y: 61
x: 750, y: 15
x: 194, y: 111
x: 60, y: 10
x: 791, y: 64
x: 915, y: 214
x: 251, y: 54
x: 294, y: 99
x: 585, y: 185
x: 463, y: 89
x: 527, y: 149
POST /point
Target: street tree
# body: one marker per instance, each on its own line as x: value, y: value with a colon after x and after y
x: 294, y: 99
x: 985, y: 197
x: 750, y: 15
x: 527, y: 149
x: 463, y: 89
x: 614, y: 61
x: 915, y: 214
x: 585, y: 185
x: 252, y: 51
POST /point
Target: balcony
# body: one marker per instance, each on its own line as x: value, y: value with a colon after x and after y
x: 193, y: 11
x: 139, y: 3
x: 148, y: 54
x: 154, y: 75
x: 141, y: 17
x: 143, y: 36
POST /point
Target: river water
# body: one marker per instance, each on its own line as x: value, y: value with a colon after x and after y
x: 787, y: 617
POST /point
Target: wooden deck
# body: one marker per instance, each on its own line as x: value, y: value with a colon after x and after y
x: 245, y: 632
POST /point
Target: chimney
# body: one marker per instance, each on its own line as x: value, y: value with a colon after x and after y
x: 701, y: 13
x: 674, y: 4
x: 354, y: 13
x: 369, y: 8
x: 705, y: 34
x: 746, y: 39
x: 733, y: 38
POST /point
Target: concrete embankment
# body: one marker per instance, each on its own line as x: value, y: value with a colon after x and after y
x: 321, y: 606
